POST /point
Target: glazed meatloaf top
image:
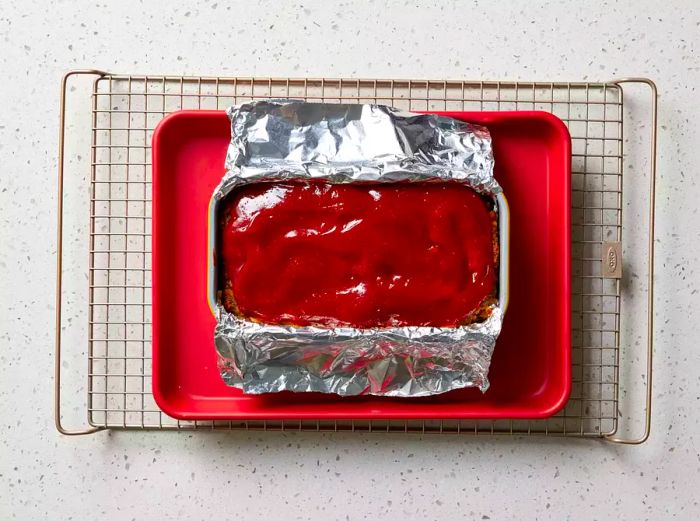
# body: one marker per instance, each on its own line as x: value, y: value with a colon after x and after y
x: 362, y: 255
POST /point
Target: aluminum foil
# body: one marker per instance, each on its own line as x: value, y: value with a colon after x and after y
x: 283, y: 140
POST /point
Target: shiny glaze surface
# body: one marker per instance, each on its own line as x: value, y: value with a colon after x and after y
x: 361, y: 255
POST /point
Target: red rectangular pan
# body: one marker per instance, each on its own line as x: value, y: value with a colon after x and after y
x: 531, y: 368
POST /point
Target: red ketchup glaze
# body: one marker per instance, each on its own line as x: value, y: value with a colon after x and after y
x: 361, y: 255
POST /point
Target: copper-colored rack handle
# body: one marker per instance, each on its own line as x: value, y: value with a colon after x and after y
x: 59, y: 260
x: 650, y: 267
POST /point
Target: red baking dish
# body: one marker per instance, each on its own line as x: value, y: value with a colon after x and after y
x: 531, y: 368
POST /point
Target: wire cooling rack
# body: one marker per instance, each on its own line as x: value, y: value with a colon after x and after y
x: 126, y: 108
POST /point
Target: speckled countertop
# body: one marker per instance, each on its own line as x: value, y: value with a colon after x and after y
x: 300, y: 476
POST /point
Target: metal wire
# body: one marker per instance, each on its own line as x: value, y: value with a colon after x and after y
x: 125, y: 111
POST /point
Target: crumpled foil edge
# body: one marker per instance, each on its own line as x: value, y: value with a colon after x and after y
x: 394, y: 361
x: 405, y: 361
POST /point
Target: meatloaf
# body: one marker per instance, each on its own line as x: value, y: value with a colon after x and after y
x: 311, y: 253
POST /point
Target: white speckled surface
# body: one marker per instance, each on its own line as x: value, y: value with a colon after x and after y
x: 300, y: 476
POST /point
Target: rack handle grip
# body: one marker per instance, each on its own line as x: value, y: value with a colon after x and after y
x: 59, y: 261
x: 650, y: 269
